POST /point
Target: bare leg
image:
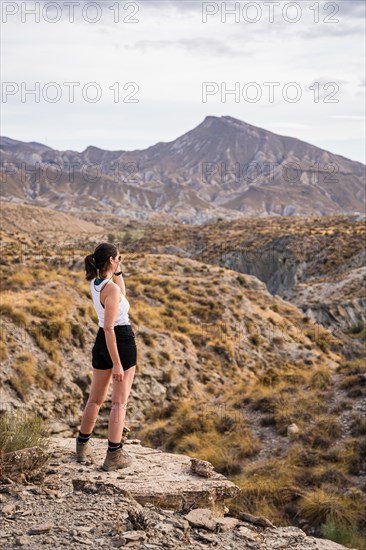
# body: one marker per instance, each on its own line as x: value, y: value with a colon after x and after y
x: 98, y: 393
x: 120, y: 394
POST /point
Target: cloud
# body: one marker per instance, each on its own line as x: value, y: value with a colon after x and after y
x: 348, y: 117
x: 349, y: 8
x: 336, y: 30
x: 352, y: 8
x: 205, y: 46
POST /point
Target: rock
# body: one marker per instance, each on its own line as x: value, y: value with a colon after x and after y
x: 83, y: 541
x: 226, y: 523
x: 256, y: 520
x: 178, y: 523
x: 327, y: 544
x: 134, y: 535
x: 156, y: 477
x: 8, y: 509
x: 125, y: 433
x: 247, y: 534
x: 24, y: 540
x: 293, y: 537
x: 208, y: 537
x: 122, y: 521
x: 164, y: 527
x: 292, y: 429
x: 201, y: 517
x: 60, y: 428
x: 119, y: 543
x: 42, y: 528
x: 202, y: 467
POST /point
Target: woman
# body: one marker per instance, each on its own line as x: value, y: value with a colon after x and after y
x: 114, y: 355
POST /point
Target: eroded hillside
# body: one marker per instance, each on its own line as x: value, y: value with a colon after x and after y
x: 227, y: 371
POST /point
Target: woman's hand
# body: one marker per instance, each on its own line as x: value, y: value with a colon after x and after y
x: 118, y: 372
x: 119, y: 266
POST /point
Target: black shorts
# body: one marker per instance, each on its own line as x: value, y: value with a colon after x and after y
x: 126, y: 345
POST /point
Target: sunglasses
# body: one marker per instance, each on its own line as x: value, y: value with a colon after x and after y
x: 119, y: 257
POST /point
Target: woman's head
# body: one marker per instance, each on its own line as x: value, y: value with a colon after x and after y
x: 104, y: 259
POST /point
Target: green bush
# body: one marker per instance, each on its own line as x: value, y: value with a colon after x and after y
x: 348, y: 535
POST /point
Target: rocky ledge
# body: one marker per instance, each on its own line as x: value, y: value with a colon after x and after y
x: 162, y: 500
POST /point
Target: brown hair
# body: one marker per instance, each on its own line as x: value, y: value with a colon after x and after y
x: 98, y: 260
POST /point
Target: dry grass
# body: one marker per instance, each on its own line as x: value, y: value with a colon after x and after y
x: 21, y: 430
x: 24, y: 369
x: 203, y: 432
x: 318, y: 506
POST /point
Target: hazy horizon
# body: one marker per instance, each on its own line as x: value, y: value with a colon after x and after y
x: 168, y: 50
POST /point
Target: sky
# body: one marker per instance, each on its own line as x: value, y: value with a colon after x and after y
x: 149, y: 71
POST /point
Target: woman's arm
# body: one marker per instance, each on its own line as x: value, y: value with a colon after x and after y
x: 119, y: 279
x: 120, y: 282
x: 110, y: 315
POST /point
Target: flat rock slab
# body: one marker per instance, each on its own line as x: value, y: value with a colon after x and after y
x: 163, y: 479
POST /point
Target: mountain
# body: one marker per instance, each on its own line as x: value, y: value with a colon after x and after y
x: 222, y: 168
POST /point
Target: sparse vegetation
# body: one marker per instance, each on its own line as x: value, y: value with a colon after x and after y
x: 348, y: 535
x: 319, y: 506
x: 21, y: 429
x: 24, y: 368
x: 201, y: 355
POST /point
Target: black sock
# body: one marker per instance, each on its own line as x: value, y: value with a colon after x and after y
x: 113, y: 446
x: 83, y: 438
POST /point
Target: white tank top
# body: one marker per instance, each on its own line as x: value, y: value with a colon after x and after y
x: 124, y: 305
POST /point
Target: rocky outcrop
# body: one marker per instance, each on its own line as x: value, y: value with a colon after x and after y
x: 167, y: 480
x: 275, y: 264
x: 343, y: 314
x: 158, y: 502
x: 332, y: 302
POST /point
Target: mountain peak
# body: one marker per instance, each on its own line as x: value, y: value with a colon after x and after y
x: 224, y: 166
x: 227, y: 121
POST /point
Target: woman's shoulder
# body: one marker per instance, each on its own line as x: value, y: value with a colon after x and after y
x: 112, y: 289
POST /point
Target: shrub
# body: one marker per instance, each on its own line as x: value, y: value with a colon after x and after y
x: 323, y: 345
x: 3, y: 351
x: 321, y: 378
x: 242, y: 281
x: 21, y: 430
x: 77, y: 332
x: 255, y: 339
x: 348, y: 535
x: 24, y: 371
x: 358, y: 426
x: 147, y: 338
x: 319, y: 506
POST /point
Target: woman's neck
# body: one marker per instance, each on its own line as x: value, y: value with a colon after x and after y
x: 106, y: 276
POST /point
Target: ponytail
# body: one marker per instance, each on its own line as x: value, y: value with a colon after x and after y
x: 90, y: 267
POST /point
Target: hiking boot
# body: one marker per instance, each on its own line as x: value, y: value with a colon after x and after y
x: 83, y: 451
x: 116, y: 459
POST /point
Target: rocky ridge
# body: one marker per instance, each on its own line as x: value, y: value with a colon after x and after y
x: 161, y: 501
x: 223, y: 167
